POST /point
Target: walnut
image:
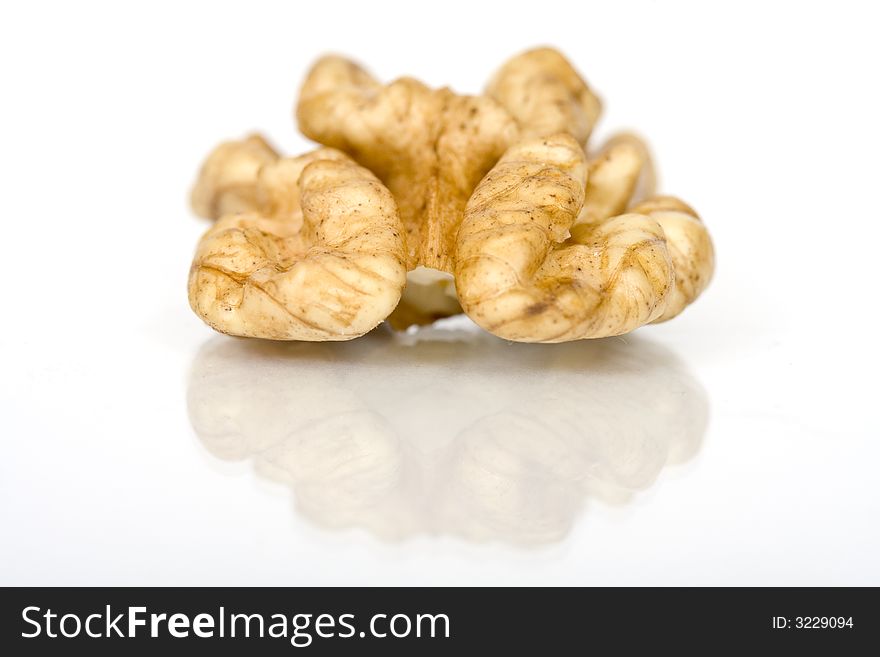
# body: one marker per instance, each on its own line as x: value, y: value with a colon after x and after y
x: 486, y: 204
x: 526, y: 270
x: 545, y: 95
x: 429, y: 146
x: 690, y: 246
x: 228, y: 179
x: 317, y: 255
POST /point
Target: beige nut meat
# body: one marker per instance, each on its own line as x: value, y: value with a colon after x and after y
x: 621, y: 172
x: 545, y: 95
x: 429, y: 146
x: 622, y: 178
x: 319, y: 255
x: 693, y: 256
x: 526, y: 271
x: 227, y: 182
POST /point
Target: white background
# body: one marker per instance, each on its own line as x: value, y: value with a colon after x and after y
x: 140, y: 448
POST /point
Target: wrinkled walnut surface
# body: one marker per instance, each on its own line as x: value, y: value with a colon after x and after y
x: 488, y: 205
x: 227, y: 182
x: 526, y: 271
x: 318, y: 255
x: 545, y: 95
x: 431, y: 147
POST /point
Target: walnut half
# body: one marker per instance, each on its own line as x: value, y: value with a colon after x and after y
x: 318, y: 255
x: 525, y: 272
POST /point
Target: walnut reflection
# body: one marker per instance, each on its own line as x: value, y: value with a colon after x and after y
x: 449, y: 431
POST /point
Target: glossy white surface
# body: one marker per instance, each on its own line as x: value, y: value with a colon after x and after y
x: 737, y: 444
